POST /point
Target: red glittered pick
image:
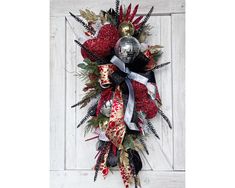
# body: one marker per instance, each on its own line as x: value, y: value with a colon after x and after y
x: 133, y: 13
x: 109, y: 33
x: 128, y: 12
x: 99, y: 47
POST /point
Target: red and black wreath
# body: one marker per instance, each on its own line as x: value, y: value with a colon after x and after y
x: 118, y: 66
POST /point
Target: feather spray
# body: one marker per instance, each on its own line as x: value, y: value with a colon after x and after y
x: 152, y: 129
x: 143, y: 144
x: 98, y: 59
x: 135, y: 164
x: 100, y: 159
x: 86, y: 26
x: 91, y: 111
x: 165, y: 118
x: 117, y: 12
x: 84, y: 99
x: 112, y: 158
x: 142, y: 24
x: 162, y: 65
x: 148, y: 123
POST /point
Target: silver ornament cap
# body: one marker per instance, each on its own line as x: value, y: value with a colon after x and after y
x: 127, y: 48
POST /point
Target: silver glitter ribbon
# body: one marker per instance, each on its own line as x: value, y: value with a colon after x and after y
x: 131, y: 98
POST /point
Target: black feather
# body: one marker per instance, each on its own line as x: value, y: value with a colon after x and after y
x: 117, y: 12
x: 144, y: 144
x: 112, y: 160
x: 162, y: 65
x: 145, y: 21
x: 90, y: 113
x: 98, y: 59
x: 151, y: 127
x: 165, y: 118
x: 86, y: 26
x: 138, y: 64
x: 135, y: 159
x: 100, y: 159
x: 77, y: 104
x: 100, y: 145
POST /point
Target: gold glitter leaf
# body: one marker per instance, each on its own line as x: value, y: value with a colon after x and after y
x: 90, y: 16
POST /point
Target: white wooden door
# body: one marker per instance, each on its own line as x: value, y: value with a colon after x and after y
x: 72, y: 158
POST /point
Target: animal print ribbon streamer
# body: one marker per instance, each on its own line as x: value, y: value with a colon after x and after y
x: 116, y: 128
x: 105, y: 72
x: 103, y: 167
x: 125, y: 168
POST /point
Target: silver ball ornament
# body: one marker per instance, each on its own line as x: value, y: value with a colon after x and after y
x: 106, y: 108
x: 127, y: 48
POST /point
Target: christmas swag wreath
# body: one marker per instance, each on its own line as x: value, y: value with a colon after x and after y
x: 118, y: 66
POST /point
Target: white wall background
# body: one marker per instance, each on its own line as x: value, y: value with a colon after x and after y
x: 24, y: 136
x: 71, y: 157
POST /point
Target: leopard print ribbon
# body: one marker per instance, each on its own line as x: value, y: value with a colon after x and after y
x: 116, y: 128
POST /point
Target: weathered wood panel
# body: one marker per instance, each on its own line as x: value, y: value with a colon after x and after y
x: 62, y: 7
x: 57, y: 93
x: 70, y: 70
x: 77, y: 150
x: 178, y: 73
x: 149, y: 179
x: 162, y: 149
x: 166, y: 87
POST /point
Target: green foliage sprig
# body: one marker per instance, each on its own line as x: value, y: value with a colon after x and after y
x: 90, y: 73
x: 94, y: 123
